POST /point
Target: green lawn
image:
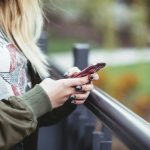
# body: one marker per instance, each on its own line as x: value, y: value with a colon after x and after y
x: 60, y: 45
x: 56, y: 44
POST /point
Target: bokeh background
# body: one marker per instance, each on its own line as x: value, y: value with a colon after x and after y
x: 118, y: 32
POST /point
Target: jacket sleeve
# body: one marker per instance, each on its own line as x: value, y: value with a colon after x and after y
x: 18, y: 115
x: 57, y: 114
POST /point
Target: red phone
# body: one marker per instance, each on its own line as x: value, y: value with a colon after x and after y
x: 90, y: 70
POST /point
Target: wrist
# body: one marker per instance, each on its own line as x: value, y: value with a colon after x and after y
x: 38, y: 101
x: 46, y: 86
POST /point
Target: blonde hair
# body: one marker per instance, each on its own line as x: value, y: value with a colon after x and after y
x: 22, y: 21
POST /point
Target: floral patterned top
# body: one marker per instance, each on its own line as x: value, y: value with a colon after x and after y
x: 13, y: 69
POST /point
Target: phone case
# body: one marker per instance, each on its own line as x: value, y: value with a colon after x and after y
x: 90, y: 70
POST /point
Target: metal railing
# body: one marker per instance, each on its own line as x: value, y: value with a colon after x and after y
x: 131, y: 129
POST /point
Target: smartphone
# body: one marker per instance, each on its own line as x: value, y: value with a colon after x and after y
x: 89, y: 70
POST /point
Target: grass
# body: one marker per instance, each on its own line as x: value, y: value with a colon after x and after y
x: 56, y: 45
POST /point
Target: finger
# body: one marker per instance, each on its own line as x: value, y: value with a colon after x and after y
x: 72, y: 90
x: 81, y: 97
x: 78, y: 102
x: 77, y: 81
x: 87, y: 87
x: 93, y: 77
x: 73, y: 71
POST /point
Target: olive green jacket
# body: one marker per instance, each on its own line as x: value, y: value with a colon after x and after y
x: 21, y: 117
x: 18, y: 115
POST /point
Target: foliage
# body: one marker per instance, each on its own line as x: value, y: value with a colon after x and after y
x: 118, y: 22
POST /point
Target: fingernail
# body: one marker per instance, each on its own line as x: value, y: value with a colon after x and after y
x: 78, y: 88
x: 72, y: 97
x: 91, y: 77
x: 66, y: 74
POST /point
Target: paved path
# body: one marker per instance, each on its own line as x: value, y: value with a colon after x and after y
x: 118, y: 57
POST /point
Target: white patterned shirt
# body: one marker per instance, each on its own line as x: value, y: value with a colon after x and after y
x: 13, y: 69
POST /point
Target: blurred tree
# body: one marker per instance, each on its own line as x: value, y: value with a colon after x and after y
x: 69, y: 10
x: 121, y: 22
x: 147, y: 4
x: 98, y: 13
x: 118, y: 22
x: 139, y: 24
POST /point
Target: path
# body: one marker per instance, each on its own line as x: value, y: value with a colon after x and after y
x: 111, y: 58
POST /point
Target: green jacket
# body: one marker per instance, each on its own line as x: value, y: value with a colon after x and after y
x: 21, y: 117
x: 18, y: 116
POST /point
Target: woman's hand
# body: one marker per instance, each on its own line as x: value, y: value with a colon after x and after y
x: 59, y: 91
x: 80, y: 97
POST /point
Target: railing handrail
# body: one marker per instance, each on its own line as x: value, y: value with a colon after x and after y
x: 128, y: 126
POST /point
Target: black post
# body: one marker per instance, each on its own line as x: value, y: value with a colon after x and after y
x: 81, y: 52
x: 78, y: 119
x: 84, y: 122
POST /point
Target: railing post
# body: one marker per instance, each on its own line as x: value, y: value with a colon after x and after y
x: 81, y: 52
x: 78, y: 119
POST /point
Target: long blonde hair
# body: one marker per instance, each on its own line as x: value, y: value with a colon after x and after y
x: 22, y: 21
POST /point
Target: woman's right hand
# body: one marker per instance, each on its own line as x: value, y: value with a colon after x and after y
x: 59, y: 91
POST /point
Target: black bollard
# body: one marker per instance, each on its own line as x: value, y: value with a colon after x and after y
x: 81, y: 53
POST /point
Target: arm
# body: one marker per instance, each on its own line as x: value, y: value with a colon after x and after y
x: 18, y: 115
x: 62, y: 89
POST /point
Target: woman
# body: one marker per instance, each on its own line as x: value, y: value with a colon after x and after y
x: 29, y: 98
